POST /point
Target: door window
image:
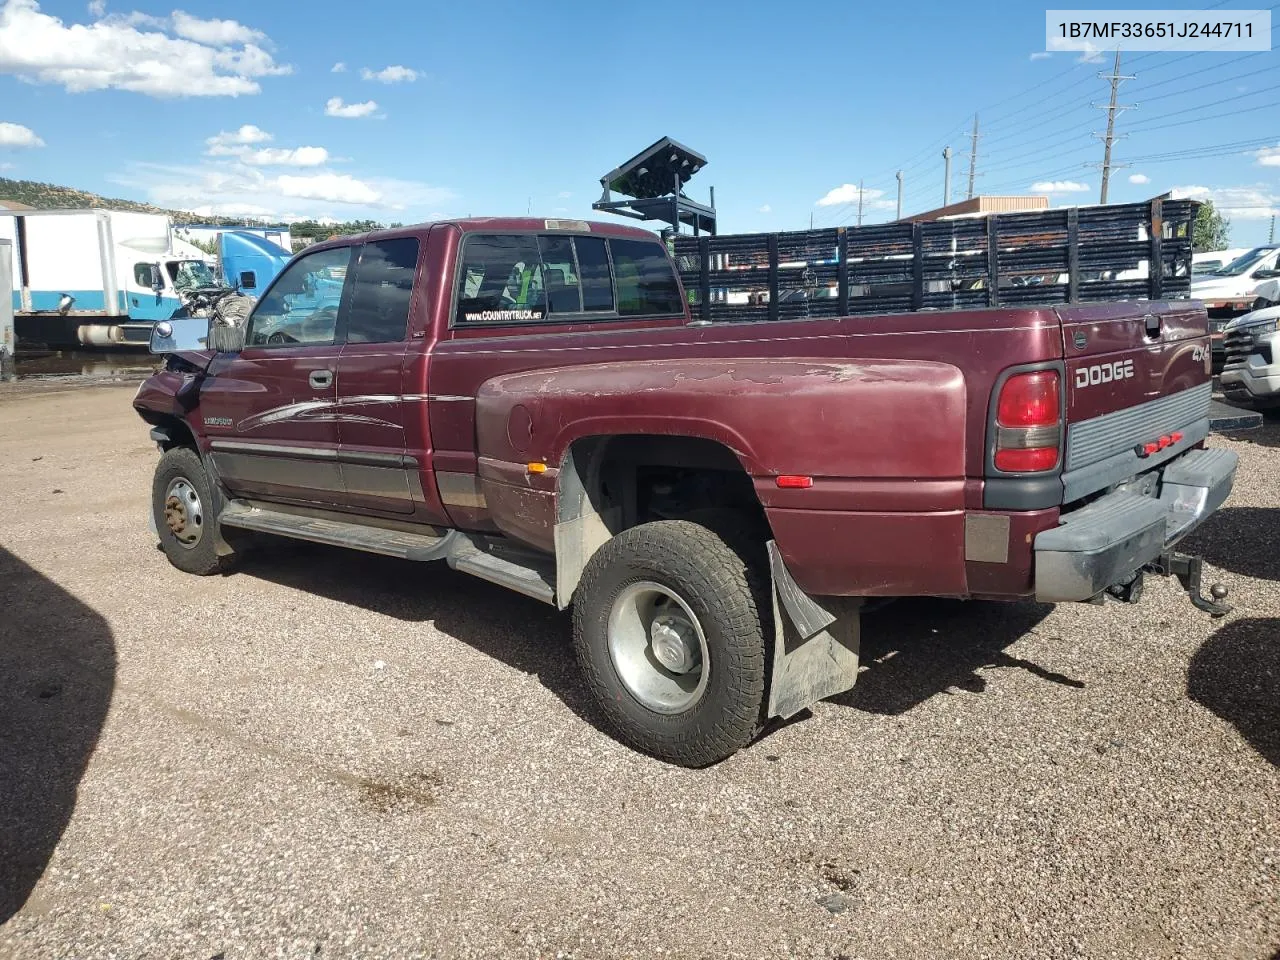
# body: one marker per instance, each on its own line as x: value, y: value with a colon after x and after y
x: 646, y: 283
x: 382, y: 290
x: 142, y: 275
x: 301, y: 307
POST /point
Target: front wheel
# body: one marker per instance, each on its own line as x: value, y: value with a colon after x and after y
x: 669, y: 633
x: 184, y: 507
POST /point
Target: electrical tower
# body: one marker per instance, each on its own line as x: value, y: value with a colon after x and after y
x: 946, y: 176
x: 973, y: 157
x: 859, y: 203
x: 899, y: 176
x: 1110, y: 137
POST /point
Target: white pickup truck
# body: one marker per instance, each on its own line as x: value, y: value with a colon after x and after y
x: 1251, y: 374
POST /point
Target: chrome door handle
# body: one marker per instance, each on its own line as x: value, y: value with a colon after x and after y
x: 320, y: 379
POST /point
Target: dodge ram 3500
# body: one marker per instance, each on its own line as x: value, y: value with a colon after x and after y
x: 540, y: 403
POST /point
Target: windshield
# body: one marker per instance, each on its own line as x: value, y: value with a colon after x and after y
x: 191, y: 274
x: 1242, y: 263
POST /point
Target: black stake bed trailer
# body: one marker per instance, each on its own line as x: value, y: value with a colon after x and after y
x: 1071, y: 255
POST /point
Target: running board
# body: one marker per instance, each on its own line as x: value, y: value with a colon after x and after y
x: 506, y: 565
x: 521, y: 571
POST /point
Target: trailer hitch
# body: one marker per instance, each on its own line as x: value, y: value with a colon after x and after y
x: 1188, y: 571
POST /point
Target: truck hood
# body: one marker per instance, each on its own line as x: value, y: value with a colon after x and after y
x: 1240, y: 286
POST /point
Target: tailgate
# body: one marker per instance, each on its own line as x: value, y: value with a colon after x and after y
x: 1137, y: 375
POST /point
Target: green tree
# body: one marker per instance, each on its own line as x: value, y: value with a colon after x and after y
x: 1212, y: 229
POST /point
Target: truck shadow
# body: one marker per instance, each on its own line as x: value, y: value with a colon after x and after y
x: 917, y: 648
x: 914, y: 649
x: 57, y: 673
x: 1236, y: 675
x: 1267, y: 435
x: 1240, y: 539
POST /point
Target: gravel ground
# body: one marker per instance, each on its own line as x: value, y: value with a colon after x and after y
x: 335, y: 755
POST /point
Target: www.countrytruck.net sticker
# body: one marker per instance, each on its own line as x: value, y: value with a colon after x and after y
x: 489, y: 315
x: 1099, y: 31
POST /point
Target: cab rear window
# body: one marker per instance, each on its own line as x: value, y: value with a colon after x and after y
x: 523, y: 278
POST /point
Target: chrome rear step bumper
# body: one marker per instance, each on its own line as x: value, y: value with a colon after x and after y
x: 1111, y: 540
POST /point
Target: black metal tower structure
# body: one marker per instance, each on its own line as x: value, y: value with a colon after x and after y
x: 652, y: 185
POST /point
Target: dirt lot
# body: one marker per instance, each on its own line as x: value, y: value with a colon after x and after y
x: 333, y: 755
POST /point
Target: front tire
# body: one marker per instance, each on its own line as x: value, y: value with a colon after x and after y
x: 669, y: 633
x: 184, y: 506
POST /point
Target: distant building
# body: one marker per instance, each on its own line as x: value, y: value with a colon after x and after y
x: 980, y: 207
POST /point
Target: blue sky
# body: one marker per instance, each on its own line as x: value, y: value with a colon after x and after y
x: 493, y: 108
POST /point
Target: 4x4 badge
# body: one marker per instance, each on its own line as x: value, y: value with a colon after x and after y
x: 1079, y: 339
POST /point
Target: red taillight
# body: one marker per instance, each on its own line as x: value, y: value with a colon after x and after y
x: 1029, y: 400
x: 1028, y: 423
x: 1014, y: 460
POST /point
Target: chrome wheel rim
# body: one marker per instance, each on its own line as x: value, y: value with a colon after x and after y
x: 658, y: 647
x: 183, y: 512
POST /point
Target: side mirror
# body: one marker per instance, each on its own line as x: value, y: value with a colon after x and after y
x: 157, y: 278
x: 1266, y: 274
x: 180, y: 335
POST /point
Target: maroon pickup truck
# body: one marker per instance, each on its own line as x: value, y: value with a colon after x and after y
x: 533, y: 402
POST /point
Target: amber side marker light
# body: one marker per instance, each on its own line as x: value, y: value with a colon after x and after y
x: 536, y: 467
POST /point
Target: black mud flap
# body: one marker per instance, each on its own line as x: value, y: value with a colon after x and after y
x: 815, y: 650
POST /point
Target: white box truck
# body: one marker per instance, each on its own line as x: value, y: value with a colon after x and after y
x: 99, y: 277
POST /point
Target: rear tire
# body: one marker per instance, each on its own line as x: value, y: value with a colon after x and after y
x: 185, y: 507
x: 669, y: 633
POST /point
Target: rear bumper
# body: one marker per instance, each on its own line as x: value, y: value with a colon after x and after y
x: 1112, y: 538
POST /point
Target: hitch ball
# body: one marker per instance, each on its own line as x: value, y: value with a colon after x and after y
x: 1218, y: 591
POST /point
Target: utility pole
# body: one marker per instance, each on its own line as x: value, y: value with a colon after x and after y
x: 973, y: 157
x: 1109, y: 137
x: 859, y: 203
x: 946, y: 177
x: 899, y: 176
x: 1271, y: 236
x: 810, y: 219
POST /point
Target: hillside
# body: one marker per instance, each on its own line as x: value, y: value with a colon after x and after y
x: 50, y: 196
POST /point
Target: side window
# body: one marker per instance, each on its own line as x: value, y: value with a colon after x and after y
x: 142, y: 275
x: 593, y: 267
x: 248, y: 280
x: 382, y: 290
x: 646, y: 283
x: 560, y: 275
x: 302, y: 305
x: 501, y: 280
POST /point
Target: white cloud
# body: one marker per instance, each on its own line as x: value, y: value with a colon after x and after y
x: 183, y: 56
x: 247, y: 133
x: 1059, y: 186
x: 215, y: 33
x: 237, y: 144
x: 334, y: 107
x: 765, y: 209
x: 1257, y: 202
x: 332, y: 187
x: 279, y: 157
x: 848, y: 193
x: 97, y: 8
x: 1244, y: 203
x: 564, y: 194
x: 1090, y: 56
x: 392, y: 74
x: 1041, y: 55
x: 1268, y: 156
x: 338, y: 67
x: 1139, y: 178
x: 16, y: 135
